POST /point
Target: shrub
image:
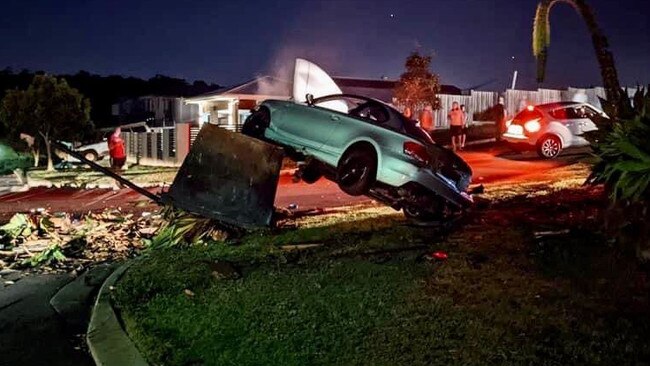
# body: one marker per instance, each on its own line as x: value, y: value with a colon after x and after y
x: 623, y: 166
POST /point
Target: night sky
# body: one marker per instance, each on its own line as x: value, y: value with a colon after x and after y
x: 473, y: 41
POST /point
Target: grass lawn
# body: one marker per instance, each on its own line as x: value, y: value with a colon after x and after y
x: 368, y: 297
x: 83, y: 175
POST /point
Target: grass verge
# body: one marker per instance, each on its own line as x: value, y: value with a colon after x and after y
x: 366, y: 295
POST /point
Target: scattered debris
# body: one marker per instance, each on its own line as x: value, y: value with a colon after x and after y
x: 438, y: 256
x: 224, y: 270
x: 63, y: 241
x: 542, y: 234
x: 300, y: 246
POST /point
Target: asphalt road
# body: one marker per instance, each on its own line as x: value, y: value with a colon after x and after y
x: 32, y: 332
x: 489, y: 166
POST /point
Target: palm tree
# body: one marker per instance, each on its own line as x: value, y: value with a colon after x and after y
x: 542, y: 39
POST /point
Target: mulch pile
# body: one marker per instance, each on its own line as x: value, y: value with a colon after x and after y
x: 64, y: 241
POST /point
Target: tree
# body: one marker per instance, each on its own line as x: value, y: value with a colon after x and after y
x: 418, y: 85
x: 542, y: 40
x: 48, y: 110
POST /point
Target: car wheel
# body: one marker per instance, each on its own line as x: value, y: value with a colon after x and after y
x: 256, y: 123
x: 311, y: 173
x: 356, y: 171
x: 90, y: 155
x: 549, y: 147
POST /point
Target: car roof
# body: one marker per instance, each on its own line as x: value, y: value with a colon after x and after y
x: 355, y: 96
x: 558, y: 105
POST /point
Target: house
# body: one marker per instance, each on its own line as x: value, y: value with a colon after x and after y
x: 169, y: 121
x: 229, y: 108
x: 175, y: 122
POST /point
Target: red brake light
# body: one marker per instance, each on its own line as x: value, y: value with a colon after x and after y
x: 416, y: 151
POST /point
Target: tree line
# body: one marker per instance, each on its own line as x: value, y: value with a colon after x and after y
x: 37, y: 109
x: 104, y: 91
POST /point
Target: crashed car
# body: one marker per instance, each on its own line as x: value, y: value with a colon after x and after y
x: 367, y: 148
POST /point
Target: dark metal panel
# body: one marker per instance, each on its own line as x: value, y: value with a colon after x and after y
x: 229, y: 177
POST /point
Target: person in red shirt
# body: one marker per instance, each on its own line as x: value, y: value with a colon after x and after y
x: 116, y: 150
x: 426, y: 119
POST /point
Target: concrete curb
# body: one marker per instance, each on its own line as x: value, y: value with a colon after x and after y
x: 72, y: 300
x: 108, y: 343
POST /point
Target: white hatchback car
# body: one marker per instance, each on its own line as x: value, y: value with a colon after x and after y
x: 549, y: 128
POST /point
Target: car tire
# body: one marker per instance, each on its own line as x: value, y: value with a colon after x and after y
x: 257, y: 123
x: 311, y: 173
x: 418, y: 216
x: 90, y: 155
x: 357, y: 170
x: 549, y: 146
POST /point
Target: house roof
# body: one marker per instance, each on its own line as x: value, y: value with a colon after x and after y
x: 262, y: 85
x: 271, y: 86
x: 381, y: 89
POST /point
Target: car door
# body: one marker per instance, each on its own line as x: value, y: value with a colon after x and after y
x: 363, y: 120
x: 309, y: 126
x: 590, y: 117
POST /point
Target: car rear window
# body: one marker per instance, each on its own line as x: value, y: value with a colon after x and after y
x: 527, y: 115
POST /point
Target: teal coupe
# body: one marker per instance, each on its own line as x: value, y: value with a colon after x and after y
x: 367, y: 148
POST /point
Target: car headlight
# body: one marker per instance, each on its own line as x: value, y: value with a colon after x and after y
x: 532, y: 126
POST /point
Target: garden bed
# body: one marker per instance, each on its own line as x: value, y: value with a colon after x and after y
x: 528, y: 280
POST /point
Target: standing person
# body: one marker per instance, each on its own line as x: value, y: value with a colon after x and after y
x: 456, y: 119
x: 407, y: 113
x: 116, y: 150
x: 426, y: 119
x: 500, y: 118
x: 463, y: 137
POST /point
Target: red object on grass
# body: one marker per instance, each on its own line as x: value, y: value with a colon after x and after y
x: 441, y: 256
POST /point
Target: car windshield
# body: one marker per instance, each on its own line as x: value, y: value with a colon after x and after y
x: 367, y: 110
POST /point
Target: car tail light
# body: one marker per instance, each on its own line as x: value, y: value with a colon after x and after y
x: 532, y: 126
x: 416, y: 151
x: 515, y: 130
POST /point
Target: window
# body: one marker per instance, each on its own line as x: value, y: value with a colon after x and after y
x: 365, y: 109
x: 370, y: 111
x: 575, y: 112
x: 527, y: 115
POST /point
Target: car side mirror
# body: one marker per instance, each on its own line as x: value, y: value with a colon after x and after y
x: 310, y: 99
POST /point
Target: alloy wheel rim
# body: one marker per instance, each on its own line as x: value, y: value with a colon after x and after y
x: 550, y: 148
x: 354, y: 172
